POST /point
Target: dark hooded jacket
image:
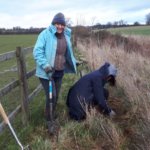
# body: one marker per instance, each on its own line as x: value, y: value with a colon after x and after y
x: 88, y: 90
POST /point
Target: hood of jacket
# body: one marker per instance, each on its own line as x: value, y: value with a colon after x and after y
x: 107, y: 69
x: 104, y: 70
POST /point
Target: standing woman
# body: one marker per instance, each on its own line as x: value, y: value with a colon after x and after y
x: 53, y: 51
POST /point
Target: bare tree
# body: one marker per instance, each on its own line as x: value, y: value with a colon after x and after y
x: 109, y: 25
x: 68, y: 22
x: 122, y: 23
x: 148, y: 19
x: 93, y: 20
x: 136, y: 23
x: 81, y: 20
x: 115, y: 23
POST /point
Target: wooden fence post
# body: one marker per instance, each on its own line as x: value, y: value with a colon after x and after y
x: 23, y: 84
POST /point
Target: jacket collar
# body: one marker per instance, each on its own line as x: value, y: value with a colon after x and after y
x: 52, y: 29
x: 67, y: 31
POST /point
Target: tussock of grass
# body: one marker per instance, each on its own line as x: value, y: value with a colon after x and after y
x: 132, y: 90
x: 41, y: 144
x: 102, y: 129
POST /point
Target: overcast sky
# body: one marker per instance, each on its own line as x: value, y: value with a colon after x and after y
x: 39, y: 13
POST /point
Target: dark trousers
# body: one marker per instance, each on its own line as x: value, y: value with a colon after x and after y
x: 77, y: 112
x: 56, y: 84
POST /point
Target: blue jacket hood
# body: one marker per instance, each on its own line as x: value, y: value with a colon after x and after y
x: 104, y: 70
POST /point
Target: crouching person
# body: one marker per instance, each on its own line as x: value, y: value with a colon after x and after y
x: 89, y: 91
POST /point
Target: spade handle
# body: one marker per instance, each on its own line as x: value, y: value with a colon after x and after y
x: 3, y: 114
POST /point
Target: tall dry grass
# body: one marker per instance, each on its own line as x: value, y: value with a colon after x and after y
x: 133, y: 78
x: 106, y: 134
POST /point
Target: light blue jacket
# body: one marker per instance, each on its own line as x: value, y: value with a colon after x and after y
x: 45, y: 50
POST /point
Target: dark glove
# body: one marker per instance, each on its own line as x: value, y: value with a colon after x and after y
x: 48, y: 69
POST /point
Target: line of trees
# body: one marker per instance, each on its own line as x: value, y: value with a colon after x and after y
x: 32, y: 30
x: 19, y: 30
x: 115, y: 24
x: 121, y: 23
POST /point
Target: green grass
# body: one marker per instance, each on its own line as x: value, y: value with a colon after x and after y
x: 73, y: 135
x: 8, y: 72
x: 138, y: 30
x: 12, y: 100
x: 35, y: 133
x: 10, y: 42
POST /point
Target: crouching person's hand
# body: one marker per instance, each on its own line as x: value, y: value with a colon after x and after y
x: 112, y: 114
x: 78, y: 62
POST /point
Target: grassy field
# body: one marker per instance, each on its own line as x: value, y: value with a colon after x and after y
x: 130, y: 100
x: 138, y: 30
x: 36, y: 131
x: 8, y: 73
x: 10, y: 42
